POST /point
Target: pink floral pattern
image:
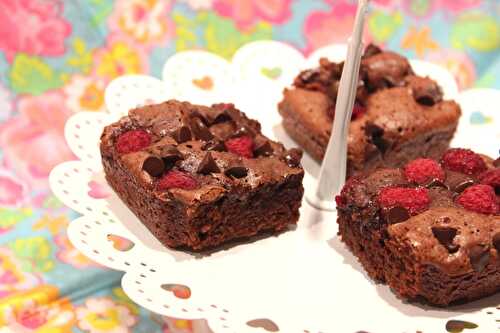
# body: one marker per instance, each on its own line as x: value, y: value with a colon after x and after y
x: 13, y: 191
x: 45, y: 35
x: 33, y: 142
x: 323, y: 28
x: 56, y: 58
x: 247, y: 12
x: 145, y: 21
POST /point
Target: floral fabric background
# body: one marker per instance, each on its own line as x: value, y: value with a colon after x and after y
x: 56, y: 57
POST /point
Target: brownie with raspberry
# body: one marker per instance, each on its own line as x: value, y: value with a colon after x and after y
x: 198, y: 177
x: 398, y: 116
x: 430, y: 230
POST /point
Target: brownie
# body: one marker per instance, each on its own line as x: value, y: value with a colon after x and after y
x: 198, y: 177
x: 430, y: 230
x: 397, y: 116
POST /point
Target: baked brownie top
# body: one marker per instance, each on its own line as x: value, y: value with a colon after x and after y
x: 392, y: 103
x: 195, y: 153
x: 447, y: 212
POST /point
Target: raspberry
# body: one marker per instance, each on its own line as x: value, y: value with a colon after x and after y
x: 492, y: 178
x: 479, y: 198
x: 464, y: 161
x: 423, y: 170
x: 132, y: 141
x: 415, y: 200
x: 357, y: 111
x: 242, y: 145
x: 177, y: 179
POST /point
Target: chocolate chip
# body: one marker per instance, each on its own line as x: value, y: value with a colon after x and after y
x: 236, y: 172
x: 458, y: 182
x: 154, y: 166
x: 496, y: 241
x: 445, y: 236
x: 376, y: 136
x: 496, y: 163
x: 199, y: 129
x: 220, y: 112
x: 460, y: 187
x: 214, y: 146
x: 263, y: 148
x: 425, y: 100
x: 479, y: 256
x: 170, y: 154
x: 182, y: 134
x: 396, y: 215
x: 293, y: 157
x: 208, y: 165
x: 371, y: 50
x: 436, y: 183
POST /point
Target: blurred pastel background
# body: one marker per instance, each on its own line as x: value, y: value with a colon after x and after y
x: 56, y: 58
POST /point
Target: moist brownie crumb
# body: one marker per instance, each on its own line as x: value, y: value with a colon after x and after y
x: 198, y: 177
x: 436, y: 241
x: 398, y: 116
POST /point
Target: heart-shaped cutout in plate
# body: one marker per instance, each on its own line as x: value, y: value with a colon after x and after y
x: 179, y: 290
x: 205, y: 83
x: 271, y: 73
x: 264, y: 323
x: 120, y: 243
x: 97, y: 190
x: 457, y: 326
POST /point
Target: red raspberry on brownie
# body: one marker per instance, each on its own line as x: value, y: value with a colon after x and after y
x: 242, y: 145
x: 423, y: 171
x: 132, y: 141
x: 414, y: 200
x: 357, y: 111
x: 492, y: 178
x: 464, y: 161
x: 479, y: 198
x: 177, y: 179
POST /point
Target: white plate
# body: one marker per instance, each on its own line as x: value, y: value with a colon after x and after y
x: 302, y: 281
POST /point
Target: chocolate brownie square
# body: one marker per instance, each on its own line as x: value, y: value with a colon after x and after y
x: 397, y: 117
x: 430, y: 230
x: 198, y: 177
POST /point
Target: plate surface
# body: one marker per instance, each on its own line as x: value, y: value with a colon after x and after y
x: 301, y: 281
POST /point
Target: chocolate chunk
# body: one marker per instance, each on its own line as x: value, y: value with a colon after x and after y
x: 396, y: 215
x: 460, y: 187
x: 236, y: 171
x: 214, y: 146
x: 425, y: 90
x: 182, y: 134
x: 263, y: 148
x: 154, y: 166
x: 199, y: 129
x: 376, y: 136
x: 371, y: 50
x: 496, y: 241
x: 457, y: 182
x: 496, y: 163
x: 436, y: 183
x: 220, y: 112
x: 445, y: 236
x: 293, y: 157
x: 385, y: 69
x: 208, y: 165
x: 479, y: 256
